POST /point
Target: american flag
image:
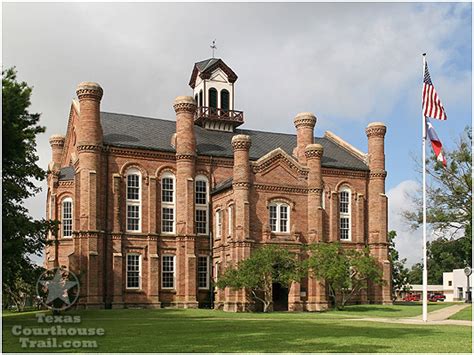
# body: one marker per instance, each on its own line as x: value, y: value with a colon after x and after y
x: 432, y: 106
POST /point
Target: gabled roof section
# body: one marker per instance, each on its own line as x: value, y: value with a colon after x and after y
x: 277, y: 156
x: 155, y: 134
x: 204, y: 69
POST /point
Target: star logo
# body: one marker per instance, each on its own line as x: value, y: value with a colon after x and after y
x: 61, y: 286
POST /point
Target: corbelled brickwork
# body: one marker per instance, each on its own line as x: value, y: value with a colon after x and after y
x: 279, y: 198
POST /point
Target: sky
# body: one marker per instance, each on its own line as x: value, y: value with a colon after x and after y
x: 348, y: 63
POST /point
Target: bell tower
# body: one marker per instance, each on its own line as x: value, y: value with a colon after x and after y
x: 213, y: 82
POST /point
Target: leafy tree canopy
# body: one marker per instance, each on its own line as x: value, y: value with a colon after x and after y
x: 22, y: 235
x: 345, y: 271
x: 267, y: 265
x: 400, y: 273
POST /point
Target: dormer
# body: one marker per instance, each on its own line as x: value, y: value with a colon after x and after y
x: 212, y: 82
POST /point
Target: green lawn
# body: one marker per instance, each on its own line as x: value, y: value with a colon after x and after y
x: 463, y: 314
x: 173, y: 330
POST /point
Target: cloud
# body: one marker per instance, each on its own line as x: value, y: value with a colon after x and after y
x: 348, y: 63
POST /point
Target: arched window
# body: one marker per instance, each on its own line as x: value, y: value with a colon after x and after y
x: 202, y: 201
x: 200, y: 99
x: 345, y: 213
x: 230, y: 220
x: 279, y: 216
x: 66, y: 217
x: 196, y: 98
x: 224, y: 100
x: 134, y: 200
x: 168, y: 203
x: 213, y: 99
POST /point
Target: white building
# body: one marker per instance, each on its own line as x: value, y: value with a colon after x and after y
x: 455, y: 285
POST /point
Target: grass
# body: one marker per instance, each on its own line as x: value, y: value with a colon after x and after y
x: 463, y: 314
x: 176, y: 330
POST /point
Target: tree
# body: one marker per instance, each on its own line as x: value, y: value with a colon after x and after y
x: 257, y: 274
x: 345, y: 271
x: 400, y: 272
x: 449, y: 200
x: 22, y: 235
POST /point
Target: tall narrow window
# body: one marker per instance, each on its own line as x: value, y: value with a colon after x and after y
x: 279, y: 217
x: 224, y: 100
x: 213, y: 100
x: 66, y: 219
x: 167, y: 271
x: 133, y: 200
x: 133, y: 271
x: 168, y: 203
x: 203, y: 272
x: 196, y: 98
x: 201, y: 200
x: 345, y: 213
x: 230, y: 220
x: 218, y: 224
x: 200, y: 98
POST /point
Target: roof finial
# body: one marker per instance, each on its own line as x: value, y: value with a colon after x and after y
x: 214, y: 47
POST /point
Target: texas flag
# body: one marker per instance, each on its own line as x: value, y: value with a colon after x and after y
x: 435, y: 142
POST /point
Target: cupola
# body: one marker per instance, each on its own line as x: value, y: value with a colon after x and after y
x: 213, y: 84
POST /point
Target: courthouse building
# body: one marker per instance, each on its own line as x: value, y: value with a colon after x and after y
x: 153, y: 210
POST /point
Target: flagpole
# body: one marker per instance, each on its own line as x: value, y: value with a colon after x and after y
x: 425, y: 264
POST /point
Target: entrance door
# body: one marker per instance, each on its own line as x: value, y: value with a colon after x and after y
x: 280, y: 297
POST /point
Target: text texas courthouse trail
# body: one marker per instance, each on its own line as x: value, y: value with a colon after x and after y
x: 152, y: 210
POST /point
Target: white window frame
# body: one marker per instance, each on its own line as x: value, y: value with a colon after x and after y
x: 345, y: 215
x: 139, y: 272
x: 218, y: 224
x: 278, y: 224
x: 207, y: 272
x: 167, y: 204
x: 199, y: 206
x: 134, y: 202
x: 162, y: 272
x: 230, y: 220
x: 67, y: 200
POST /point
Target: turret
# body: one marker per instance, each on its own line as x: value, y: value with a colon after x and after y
x: 90, y: 132
x: 56, y: 142
x: 304, y: 123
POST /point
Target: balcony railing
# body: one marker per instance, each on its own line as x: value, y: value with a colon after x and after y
x: 204, y: 113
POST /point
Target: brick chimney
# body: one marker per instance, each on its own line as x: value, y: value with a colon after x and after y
x: 316, y: 288
x: 304, y: 123
x: 241, y: 183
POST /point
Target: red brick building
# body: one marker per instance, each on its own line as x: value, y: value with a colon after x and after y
x: 152, y: 210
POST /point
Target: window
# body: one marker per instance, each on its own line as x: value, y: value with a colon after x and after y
x: 201, y: 200
x: 230, y: 220
x: 224, y: 100
x: 200, y: 98
x: 345, y: 214
x: 66, y: 219
x: 279, y: 217
x: 196, y: 98
x: 133, y: 271
x: 218, y: 224
x: 203, y: 272
x: 213, y: 99
x: 167, y: 271
x: 133, y: 200
x: 168, y: 203
x: 450, y: 283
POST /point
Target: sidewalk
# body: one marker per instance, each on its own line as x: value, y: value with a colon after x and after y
x: 439, y: 316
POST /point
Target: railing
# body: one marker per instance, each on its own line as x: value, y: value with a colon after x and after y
x: 217, y: 114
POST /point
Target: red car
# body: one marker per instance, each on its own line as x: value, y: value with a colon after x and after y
x: 434, y: 297
x: 412, y: 298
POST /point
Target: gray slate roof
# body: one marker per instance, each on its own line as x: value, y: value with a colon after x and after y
x: 66, y: 173
x: 122, y: 130
x: 203, y: 65
x: 150, y: 133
